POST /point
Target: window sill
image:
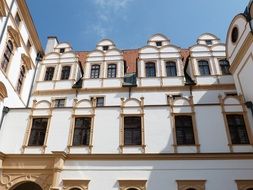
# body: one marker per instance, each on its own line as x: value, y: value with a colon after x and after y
x: 34, y: 149
x: 188, y: 148
x: 80, y: 149
x: 132, y: 149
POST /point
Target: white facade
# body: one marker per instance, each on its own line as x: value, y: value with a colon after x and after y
x: 192, y: 129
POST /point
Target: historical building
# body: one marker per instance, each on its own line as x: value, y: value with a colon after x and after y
x: 157, y: 117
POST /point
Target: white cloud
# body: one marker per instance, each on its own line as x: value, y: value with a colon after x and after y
x: 114, y: 5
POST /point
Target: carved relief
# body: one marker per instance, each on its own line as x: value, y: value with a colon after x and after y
x: 15, y: 36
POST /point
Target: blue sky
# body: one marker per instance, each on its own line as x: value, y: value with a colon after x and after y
x: 129, y: 23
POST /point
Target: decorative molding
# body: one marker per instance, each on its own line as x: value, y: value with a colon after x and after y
x: 2, y: 9
x: 15, y: 36
x: 196, y: 184
x: 3, y: 91
x: 137, y: 184
x: 244, y: 184
x: 27, y: 61
x: 75, y: 183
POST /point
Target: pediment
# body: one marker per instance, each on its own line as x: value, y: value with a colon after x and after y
x: 15, y: 36
x: 27, y: 61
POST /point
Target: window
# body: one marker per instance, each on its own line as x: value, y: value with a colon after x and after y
x: 237, y: 129
x: 17, y: 19
x: 95, y: 70
x: 28, y: 45
x: 99, y: 101
x: 82, y: 131
x: 224, y: 66
x: 49, y: 73
x: 191, y: 184
x: 7, y: 55
x: 158, y: 43
x: 111, y: 71
x: 59, y: 103
x: 244, y: 184
x: 132, y: 130
x: 203, y: 67
x: 105, y: 48
x: 209, y: 42
x: 21, y: 78
x: 150, y: 70
x: 234, y: 34
x: 62, y: 50
x: 171, y: 69
x: 65, y: 72
x: 38, y: 132
x: 184, y: 130
x: 132, y: 184
x: 75, y: 189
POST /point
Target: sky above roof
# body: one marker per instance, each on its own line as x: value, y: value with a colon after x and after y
x: 130, y: 23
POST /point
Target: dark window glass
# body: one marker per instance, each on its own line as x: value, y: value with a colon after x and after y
x: 28, y: 45
x: 132, y: 130
x: 95, y: 70
x: 38, y: 132
x: 49, y: 73
x: 132, y: 189
x: 105, y: 48
x: 150, y: 70
x: 191, y: 189
x: 21, y: 78
x: 82, y: 131
x: 158, y: 43
x: 59, y: 103
x: 7, y: 55
x: 62, y: 50
x: 234, y: 34
x: 209, y: 42
x: 75, y: 189
x: 112, y: 70
x: 99, y: 101
x: 250, y: 188
x: 203, y: 67
x: 184, y: 130
x: 224, y: 66
x: 171, y: 69
x: 237, y: 129
x: 17, y: 19
x: 65, y: 72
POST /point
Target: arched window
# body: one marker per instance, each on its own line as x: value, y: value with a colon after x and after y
x: 95, y: 70
x: 21, y: 78
x: 191, y: 189
x: 7, y: 55
x: 111, y: 71
x: 203, y: 67
x: 65, y: 72
x: 27, y: 185
x: 132, y: 188
x: 224, y: 66
x: 150, y: 69
x: 49, y: 73
x: 75, y: 188
x: 171, y: 69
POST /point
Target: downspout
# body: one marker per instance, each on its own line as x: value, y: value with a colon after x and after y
x: 4, y: 112
x: 38, y: 59
x: 6, y: 21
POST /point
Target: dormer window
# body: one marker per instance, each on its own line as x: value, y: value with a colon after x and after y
x: 105, y: 48
x: 209, y: 42
x: 62, y: 50
x: 159, y: 43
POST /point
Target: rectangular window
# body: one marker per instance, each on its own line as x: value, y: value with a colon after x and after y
x: 203, y: 67
x: 17, y: 19
x: 105, y: 48
x: 184, y: 130
x: 150, y: 69
x: 62, y: 50
x: 59, y: 103
x: 95, y: 71
x: 38, y: 132
x: 99, y: 101
x: 237, y: 129
x: 82, y: 131
x: 28, y: 45
x: 132, y: 130
x: 171, y: 69
x: 49, y: 73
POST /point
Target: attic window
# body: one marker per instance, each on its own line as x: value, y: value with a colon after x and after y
x: 209, y: 42
x: 158, y: 43
x: 105, y: 48
x: 62, y: 50
x: 234, y: 34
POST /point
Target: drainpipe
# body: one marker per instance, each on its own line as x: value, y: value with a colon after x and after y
x: 249, y: 105
x: 6, y: 21
x: 4, y: 112
x: 38, y: 59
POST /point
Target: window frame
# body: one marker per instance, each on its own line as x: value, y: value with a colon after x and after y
x: 89, y: 144
x: 65, y: 76
x: 244, y: 184
x: 7, y: 55
x: 136, y: 184
x: 31, y: 128
x: 226, y: 70
x: 187, y: 184
x: 17, y: 19
x: 21, y: 79
x: 95, y: 72
x: 167, y: 66
x: 150, y: 71
x: 57, y: 103
x: 112, y: 72
x: 202, y: 68
x: 48, y: 76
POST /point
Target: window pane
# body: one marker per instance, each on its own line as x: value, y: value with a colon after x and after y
x: 38, y: 131
x: 59, y: 103
x: 95, y: 70
x: 171, y: 69
x: 184, y: 130
x: 132, y: 130
x: 49, y: 73
x: 99, y: 101
x: 237, y: 129
x: 150, y: 70
x: 65, y: 72
x: 7, y: 55
x: 203, y: 67
x: 112, y: 70
x: 224, y: 66
x: 82, y: 131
